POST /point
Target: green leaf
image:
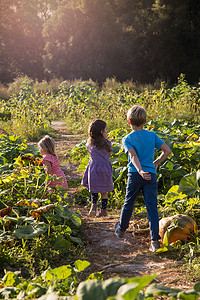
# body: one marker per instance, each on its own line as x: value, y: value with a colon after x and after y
x: 162, y: 249
x: 35, y: 290
x: 59, y: 273
x: 4, y: 237
x: 173, y: 194
x: 76, y: 240
x: 61, y: 243
x: 8, y: 292
x: 188, y: 295
x: 116, y: 148
x: 119, y: 172
x: 90, y: 290
x: 197, y: 287
x: 29, y: 220
x: 188, y: 184
x: 66, y: 213
x: 141, y: 281
x: 30, y: 231
x: 161, y: 290
x: 166, y: 239
x: 169, y: 165
x: 83, y: 164
x: 81, y: 265
x: 111, y: 286
x: 128, y: 291
x: 122, y: 157
x: 11, y: 279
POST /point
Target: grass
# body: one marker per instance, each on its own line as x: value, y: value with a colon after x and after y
x: 32, y: 105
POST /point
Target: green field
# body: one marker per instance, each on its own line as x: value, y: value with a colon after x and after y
x: 33, y: 221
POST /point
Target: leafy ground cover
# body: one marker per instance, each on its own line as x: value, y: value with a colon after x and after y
x: 182, y: 196
x: 28, y: 112
x: 113, y: 258
x: 41, y: 230
x: 37, y: 228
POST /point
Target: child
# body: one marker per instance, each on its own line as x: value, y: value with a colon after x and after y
x: 98, y: 175
x: 47, y: 149
x: 140, y: 145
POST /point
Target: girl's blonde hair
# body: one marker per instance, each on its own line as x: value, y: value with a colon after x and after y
x: 136, y: 115
x: 47, y: 144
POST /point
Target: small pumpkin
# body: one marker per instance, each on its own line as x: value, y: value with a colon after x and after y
x: 180, y: 227
x: 42, y: 210
x: 5, y: 211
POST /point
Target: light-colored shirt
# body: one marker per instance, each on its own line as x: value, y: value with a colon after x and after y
x: 144, y: 142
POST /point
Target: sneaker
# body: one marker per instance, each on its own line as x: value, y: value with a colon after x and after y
x: 155, y: 245
x: 93, y: 210
x: 118, y: 232
x: 102, y: 213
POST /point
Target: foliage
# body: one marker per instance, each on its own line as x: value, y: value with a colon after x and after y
x: 81, y: 26
x: 180, y: 169
x: 79, y: 102
x: 131, y: 289
x: 34, y: 238
x: 97, y: 39
x: 28, y: 115
x: 29, y: 221
x: 166, y: 14
x: 21, y: 40
x: 61, y: 282
x: 178, y: 176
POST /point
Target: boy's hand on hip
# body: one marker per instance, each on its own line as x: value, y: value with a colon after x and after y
x: 156, y: 164
x: 145, y: 175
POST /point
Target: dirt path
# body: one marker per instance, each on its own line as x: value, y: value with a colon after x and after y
x: 125, y: 258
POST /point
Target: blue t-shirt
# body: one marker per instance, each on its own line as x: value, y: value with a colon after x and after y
x: 144, y: 143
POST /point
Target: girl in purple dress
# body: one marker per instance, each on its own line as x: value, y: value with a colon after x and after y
x: 98, y: 175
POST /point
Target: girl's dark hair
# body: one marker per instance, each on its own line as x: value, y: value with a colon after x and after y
x: 95, y: 135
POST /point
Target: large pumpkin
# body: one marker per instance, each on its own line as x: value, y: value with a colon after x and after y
x: 184, y: 227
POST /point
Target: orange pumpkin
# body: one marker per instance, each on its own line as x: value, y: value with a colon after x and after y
x: 5, y: 211
x: 180, y: 227
x: 42, y: 210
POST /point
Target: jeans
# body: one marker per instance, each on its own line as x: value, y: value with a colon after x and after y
x: 136, y: 184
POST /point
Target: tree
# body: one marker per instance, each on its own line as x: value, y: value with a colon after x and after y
x: 21, y: 41
x: 139, y: 39
x: 7, y: 65
x: 174, y: 46
x: 163, y: 38
x: 135, y: 18
x: 61, y: 33
x: 83, y: 42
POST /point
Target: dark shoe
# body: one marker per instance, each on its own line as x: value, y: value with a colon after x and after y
x: 155, y: 245
x: 93, y: 210
x: 119, y: 233
x: 102, y: 214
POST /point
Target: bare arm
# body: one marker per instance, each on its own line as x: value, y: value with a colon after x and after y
x: 166, y: 151
x: 48, y: 165
x: 135, y: 161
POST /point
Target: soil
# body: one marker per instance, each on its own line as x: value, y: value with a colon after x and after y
x: 128, y: 257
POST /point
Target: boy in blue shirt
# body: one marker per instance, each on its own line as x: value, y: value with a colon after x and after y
x: 140, y: 145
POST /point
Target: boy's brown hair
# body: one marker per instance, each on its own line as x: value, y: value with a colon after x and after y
x: 136, y: 115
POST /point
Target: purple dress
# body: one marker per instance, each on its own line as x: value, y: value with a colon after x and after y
x: 98, y: 175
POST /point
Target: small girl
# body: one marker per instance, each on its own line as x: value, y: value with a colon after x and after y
x: 47, y: 149
x: 98, y: 175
